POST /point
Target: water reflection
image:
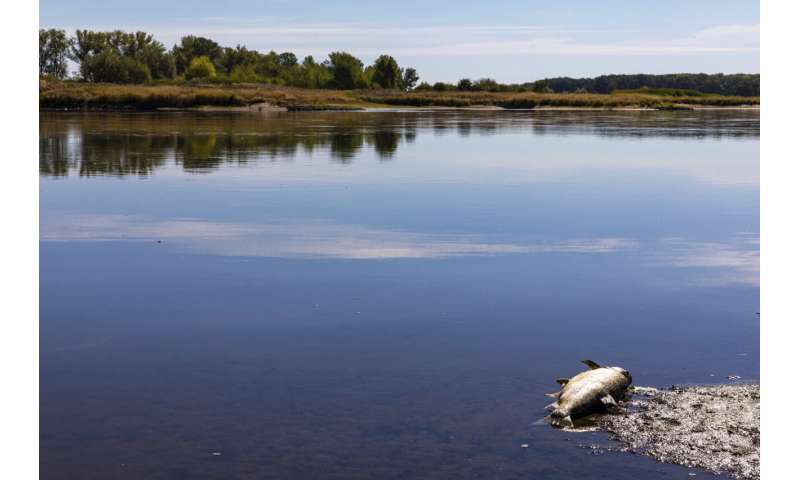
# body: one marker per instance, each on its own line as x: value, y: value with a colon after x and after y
x: 141, y: 144
x: 307, y: 240
x: 337, y: 295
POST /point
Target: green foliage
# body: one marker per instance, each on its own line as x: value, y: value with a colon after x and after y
x: 287, y: 59
x: 443, y: 87
x: 347, y: 71
x: 121, y: 51
x: 53, y: 53
x: 244, y: 74
x: 663, y: 92
x: 489, y: 85
x: 312, y: 74
x: 146, y: 50
x: 241, y: 57
x: 465, y: 84
x: 200, y: 67
x: 386, y: 73
x: 118, y: 56
x: 109, y: 66
x: 410, y: 78
x: 737, y: 84
x: 86, y: 43
x: 192, y: 47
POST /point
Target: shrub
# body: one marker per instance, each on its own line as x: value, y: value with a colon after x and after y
x: 200, y: 67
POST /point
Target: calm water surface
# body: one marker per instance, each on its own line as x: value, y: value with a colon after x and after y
x: 381, y: 295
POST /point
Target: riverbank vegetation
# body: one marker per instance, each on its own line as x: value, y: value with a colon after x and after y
x: 137, y: 58
x: 105, y: 96
x: 122, y: 70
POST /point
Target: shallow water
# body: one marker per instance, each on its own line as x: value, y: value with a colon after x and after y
x: 374, y: 295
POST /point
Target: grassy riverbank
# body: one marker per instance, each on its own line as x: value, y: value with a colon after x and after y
x: 75, y: 95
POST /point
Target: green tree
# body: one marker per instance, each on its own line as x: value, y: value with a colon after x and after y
x: 269, y: 65
x: 465, y: 84
x: 192, y: 47
x: 386, y: 73
x: 110, y: 66
x: 86, y: 43
x: 313, y: 75
x: 139, y: 48
x: 53, y: 53
x: 486, y: 85
x: 347, y: 71
x: 287, y: 59
x: 145, y: 49
x: 200, y: 67
x: 240, y: 56
x: 410, y: 78
x: 244, y: 74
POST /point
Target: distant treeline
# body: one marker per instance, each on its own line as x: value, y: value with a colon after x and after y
x: 741, y: 84
x: 675, y: 84
x: 123, y: 57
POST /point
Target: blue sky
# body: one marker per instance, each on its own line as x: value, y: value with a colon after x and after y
x: 511, y: 41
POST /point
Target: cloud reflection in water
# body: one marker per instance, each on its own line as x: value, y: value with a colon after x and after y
x: 317, y: 239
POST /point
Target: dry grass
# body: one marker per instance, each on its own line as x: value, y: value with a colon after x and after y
x: 144, y: 97
x: 534, y: 100
x: 74, y: 95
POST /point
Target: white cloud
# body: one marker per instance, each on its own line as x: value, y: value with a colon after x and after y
x: 447, y: 40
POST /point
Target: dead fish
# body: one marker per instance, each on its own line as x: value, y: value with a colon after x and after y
x: 592, y: 391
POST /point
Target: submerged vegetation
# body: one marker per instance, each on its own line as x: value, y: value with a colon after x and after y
x: 122, y: 70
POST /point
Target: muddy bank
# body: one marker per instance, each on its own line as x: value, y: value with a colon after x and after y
x: 712, y: 427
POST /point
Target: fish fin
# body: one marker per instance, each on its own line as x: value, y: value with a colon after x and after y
x: 552, y: 406
x: 609, y: 401
x: 562, y: 381
x: 554, y: 394
x: 541, y: 421
x: 592, y: 365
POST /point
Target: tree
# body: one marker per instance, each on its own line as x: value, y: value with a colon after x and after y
x: 53, y: 52
x: 269, y: 65
x: 140, y: 48
x: 287, y: 59
x: 347, y: 71
x: 313, y: 75
x: 110, y: 66
x: 465, y: 84
x: 200, y: 67
x: 410, y: 78
x: 386, y: 73
x: 486, y: 85
x: 86, y: 43
x: 192, y: 47
x: 231, y: 58
x: 145, y: 49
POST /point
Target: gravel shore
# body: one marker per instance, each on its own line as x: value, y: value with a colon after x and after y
x: 712, y: 427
